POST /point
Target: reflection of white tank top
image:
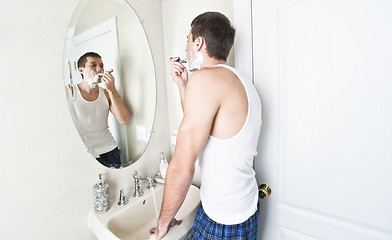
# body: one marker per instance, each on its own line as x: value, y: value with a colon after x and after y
x: 229, y: 191
x: 93, y: 120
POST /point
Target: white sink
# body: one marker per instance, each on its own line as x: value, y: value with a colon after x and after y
x: 135, y: 220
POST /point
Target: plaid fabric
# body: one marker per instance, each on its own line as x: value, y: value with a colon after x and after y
x: 204, y: 228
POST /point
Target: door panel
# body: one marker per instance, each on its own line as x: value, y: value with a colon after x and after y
x: 323, y: 69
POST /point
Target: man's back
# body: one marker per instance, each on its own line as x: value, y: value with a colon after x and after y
x: 233, y: 109
x: 226, y: 96
x: 228, y: 184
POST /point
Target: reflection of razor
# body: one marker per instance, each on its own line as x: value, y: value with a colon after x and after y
x: 101, y: 74
x: 178, y: 60
x: 97, y: 78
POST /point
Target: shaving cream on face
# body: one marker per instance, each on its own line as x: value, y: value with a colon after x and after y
x: 91, y: 82
x: 98, y: 80
x: 91, y: 79
x: 101, y: 85
x: 95, y: 79
x: 195, y: 63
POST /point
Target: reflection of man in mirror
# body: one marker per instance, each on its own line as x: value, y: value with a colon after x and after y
x: 93, y: 98
x: 220, y: 127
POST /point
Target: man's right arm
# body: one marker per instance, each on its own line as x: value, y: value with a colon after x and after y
x: 180, y: 77
x: 200, y: 107
x: 71, y: 88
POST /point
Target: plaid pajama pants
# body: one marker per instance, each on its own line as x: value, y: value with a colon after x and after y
x: 204, y: 228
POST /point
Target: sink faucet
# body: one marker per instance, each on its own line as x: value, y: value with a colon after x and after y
x: 151, y: 184
x: 151, y: 181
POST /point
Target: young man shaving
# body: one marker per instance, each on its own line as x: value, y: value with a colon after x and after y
x: 220, y: 127
x: 92, y: 103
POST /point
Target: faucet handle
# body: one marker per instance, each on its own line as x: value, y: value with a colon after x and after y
x: 123, y: 199
x: 137, y: 192
x: 135, y: 175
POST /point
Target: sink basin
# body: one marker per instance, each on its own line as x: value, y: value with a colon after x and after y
x: 135, y: 220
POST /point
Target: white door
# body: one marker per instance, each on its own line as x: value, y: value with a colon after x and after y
x: 323, y: 69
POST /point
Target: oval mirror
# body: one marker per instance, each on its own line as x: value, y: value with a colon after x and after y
x: 113, y: 112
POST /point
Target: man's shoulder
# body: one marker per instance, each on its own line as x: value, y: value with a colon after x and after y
x: 202, y: 73
x: 206, y: 78
x: 209, y: 75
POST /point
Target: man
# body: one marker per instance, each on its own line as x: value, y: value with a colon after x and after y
x: 92, y: 103
x: 221, y: 126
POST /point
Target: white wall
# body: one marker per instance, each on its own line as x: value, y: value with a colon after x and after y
x: 46, y: 173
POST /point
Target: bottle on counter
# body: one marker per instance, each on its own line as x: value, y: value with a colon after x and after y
x: 163, y: 165
x: 101, y: 196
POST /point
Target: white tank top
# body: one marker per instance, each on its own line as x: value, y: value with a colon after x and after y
x: 229, y: 192
x: 93, y: 121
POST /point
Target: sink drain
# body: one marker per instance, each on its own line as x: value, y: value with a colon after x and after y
x: 152, y: 230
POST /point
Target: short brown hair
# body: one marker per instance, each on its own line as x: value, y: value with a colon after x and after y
x: 83, y: 59
x: 217, y: 31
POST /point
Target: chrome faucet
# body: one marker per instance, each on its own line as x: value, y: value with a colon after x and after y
x: 151, y: 183
x: 138, y: 192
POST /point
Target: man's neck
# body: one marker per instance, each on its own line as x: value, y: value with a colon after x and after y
x: 210, y: 62
x: 85, y: 87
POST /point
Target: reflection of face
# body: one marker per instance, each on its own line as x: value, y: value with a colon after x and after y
x: 195, y: 58
x: 93, y: 66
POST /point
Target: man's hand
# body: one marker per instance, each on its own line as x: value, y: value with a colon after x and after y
x: 180, y: 76
x: 179, y: 73
x: 107, y: 81
x: 162, y: 230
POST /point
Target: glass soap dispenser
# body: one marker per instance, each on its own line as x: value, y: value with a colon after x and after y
x: 101, y: 196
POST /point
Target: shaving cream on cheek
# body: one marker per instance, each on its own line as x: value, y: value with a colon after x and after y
x: 90, y: 81
x: 94, y: 79
x: 196, y: 62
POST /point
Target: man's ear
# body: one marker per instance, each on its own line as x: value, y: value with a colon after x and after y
x: 199, y: 43
x: 81, y: 70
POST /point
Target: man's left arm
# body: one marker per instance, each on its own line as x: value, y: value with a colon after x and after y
x: 116, y: 106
